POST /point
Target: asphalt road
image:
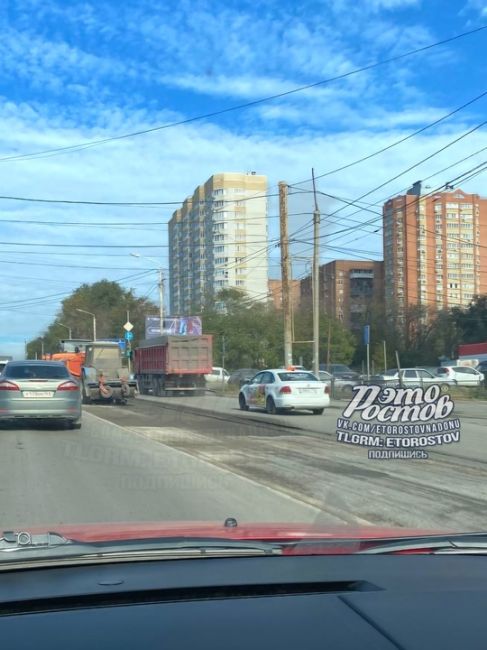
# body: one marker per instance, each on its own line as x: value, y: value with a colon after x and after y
x: 153, y: 460
x: 105, y: 473
x: 449, y: 489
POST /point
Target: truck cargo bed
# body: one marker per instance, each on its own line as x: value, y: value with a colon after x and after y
x: 175, y: 355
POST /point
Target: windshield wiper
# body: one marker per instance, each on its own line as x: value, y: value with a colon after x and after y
x: 463, y: 543
x: 14, y: 541
x: 53, y: 545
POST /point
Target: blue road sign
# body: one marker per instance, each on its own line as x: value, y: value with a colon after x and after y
x: 122, y: 345
x: 129, y: 336
x: 366, y: 334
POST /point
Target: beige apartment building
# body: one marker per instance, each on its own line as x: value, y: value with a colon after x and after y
x: 434, y: 249
x: 348, y: 290
x: 218, y: 239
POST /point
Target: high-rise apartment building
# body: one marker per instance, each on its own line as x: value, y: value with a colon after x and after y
x: 348, y: 290
x: 434, y: 249
x: 217, y: 240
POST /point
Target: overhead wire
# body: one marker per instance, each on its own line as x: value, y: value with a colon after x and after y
x: 256, y: 102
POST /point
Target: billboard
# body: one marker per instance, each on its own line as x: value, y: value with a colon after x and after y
x: 174, y: 326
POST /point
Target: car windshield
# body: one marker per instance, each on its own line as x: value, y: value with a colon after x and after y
x: 297, y: 376
x: 204, y: 207
x: 35, y: 371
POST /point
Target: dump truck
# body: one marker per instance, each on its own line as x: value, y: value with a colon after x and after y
x: 168, y: 365
x: 103, y: 377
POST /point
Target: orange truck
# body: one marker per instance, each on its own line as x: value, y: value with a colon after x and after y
x: 72, y: 354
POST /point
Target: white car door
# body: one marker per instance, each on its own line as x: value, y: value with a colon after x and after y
x: 467, y: 376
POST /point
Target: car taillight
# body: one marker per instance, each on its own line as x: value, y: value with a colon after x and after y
x: 68, y: 385
x: 327, y: 389
x: 286, y: 389
x: 8, y: 385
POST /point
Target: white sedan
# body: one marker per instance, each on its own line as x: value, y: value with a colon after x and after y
x: 461, y: 375
x: 285, y: 390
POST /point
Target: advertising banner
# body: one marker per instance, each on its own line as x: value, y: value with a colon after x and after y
x: 183, y: 326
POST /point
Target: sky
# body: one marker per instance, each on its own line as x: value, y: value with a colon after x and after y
x: 74, y: 72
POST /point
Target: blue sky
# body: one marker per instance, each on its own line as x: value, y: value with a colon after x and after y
x: 72, y: 72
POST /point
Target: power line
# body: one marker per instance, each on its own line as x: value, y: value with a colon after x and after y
x: 134, y: 204
x: 397, y: 142
x: 256, y: 102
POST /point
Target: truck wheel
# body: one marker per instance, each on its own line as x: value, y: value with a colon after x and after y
x: 106, y: 392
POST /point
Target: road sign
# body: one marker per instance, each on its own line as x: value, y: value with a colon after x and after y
x: 128, y: 327
x: 366, y: 334
x: 121, y: 345
x: 129, y: 336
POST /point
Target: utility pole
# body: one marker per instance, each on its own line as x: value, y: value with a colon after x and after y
x: 223, y: 363
x: 316, y: 282
x: 161, y: 301
x: 128, y: 347
x: 285, y: 274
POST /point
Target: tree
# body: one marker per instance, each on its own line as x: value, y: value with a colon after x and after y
x: 109, y: 302
x: 471, y: 323
x: 250, y: 332
x: 342, y: 343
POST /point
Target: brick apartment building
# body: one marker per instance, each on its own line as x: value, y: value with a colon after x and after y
x: 434, y: 249
x: 347, y: 290
x: 275, y: 293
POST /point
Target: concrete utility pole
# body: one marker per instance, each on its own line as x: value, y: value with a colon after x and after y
x: 161, y: 301
x: 316, y: 282
x: 285, y: 274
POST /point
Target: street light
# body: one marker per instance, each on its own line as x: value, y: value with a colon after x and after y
x: 161, y: 289
x: 68, y: 328
x: 94, y: 320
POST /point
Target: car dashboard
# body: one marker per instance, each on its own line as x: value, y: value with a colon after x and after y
x: 339, y: 601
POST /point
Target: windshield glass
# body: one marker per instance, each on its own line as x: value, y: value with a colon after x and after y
x: 35, y: 371
x: 204, y: 207
x: 297, y: 376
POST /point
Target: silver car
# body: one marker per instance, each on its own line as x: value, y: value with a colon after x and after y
x: 408, y: 377
x: 40, y: 390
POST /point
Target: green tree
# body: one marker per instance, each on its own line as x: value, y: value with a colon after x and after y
x: 109, y: 302
x: 250, y: 332
x: 471, y: 323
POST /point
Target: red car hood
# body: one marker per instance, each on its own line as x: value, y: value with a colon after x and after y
x: 275, y: 532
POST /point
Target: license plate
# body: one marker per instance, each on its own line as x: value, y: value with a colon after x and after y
x: 38, y: 393
x: 307, y: 390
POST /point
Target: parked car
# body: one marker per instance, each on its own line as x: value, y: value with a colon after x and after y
x: 285, y: 390
x: 40, y: 390
x: 240, y: 376
x: 461, y: 375
x: 340, y: 371
x: 218, y: 376
x: 409, y: 377
x: 337, y: 384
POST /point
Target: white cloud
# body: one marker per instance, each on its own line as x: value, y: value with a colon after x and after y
x: 114, y: 65
x: 167, y: 166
